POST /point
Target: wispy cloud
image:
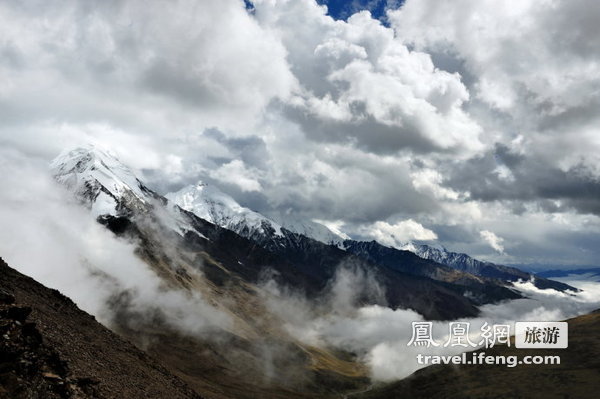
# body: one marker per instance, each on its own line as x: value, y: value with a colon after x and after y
x: 493, y: 240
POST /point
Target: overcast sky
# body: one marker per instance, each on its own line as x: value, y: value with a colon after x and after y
x: 469, y: 123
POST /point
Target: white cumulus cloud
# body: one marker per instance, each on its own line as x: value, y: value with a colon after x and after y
x: 396, y: 235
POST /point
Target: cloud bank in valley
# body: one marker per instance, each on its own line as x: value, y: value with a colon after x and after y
x: 379, y: 335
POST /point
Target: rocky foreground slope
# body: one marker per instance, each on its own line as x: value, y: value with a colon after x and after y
x: 50, y: 349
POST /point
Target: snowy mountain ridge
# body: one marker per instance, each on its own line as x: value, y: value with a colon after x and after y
x: 211, y: 204
x: 441, y: 255
x: 108, y: 187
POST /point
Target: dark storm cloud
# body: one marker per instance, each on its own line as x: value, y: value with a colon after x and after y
x: 368, y: 134
x: 250, y: 149
x: 572, y: 118
x: 572, y: 248
x: 530, y: 179
x: 455, y: 236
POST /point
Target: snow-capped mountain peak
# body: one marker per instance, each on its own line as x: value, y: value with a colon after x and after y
x: 209, y: 203
x: 99, y: 178
x: 310, y: 229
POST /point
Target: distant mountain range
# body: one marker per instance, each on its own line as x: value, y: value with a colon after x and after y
x: 464, y: 262
x: 211, y: 204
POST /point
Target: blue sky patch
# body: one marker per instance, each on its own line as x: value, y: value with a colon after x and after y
x: 342, y: 9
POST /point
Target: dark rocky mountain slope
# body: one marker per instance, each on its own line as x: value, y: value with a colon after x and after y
x: 468, y: 264
x: 49, y: 349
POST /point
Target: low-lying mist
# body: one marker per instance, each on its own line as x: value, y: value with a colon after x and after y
x: 379, y: 335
